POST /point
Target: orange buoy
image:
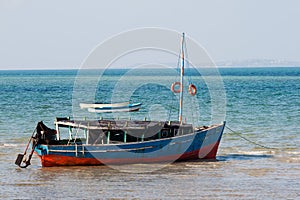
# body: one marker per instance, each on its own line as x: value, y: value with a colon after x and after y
x: 173, y: 87
x: 192, y: 89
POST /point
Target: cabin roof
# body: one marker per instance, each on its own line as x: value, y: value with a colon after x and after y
x: 116, y: 124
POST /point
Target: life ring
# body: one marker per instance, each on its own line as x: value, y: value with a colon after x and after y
x: 173, y: 87
x: 192, y: 89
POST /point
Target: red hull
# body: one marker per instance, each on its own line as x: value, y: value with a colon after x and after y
x: 208, y: 152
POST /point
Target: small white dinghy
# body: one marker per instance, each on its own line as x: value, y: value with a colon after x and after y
x: 117, y: 107
x: 101, y: 105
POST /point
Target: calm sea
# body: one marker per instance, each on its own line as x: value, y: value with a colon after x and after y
x: 260, y: 161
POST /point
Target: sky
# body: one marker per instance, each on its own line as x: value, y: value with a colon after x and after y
x: 59, y: 34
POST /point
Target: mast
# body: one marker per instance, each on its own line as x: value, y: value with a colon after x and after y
x: 181, y: 79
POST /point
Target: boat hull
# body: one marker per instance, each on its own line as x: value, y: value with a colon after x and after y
x: 199, y: 145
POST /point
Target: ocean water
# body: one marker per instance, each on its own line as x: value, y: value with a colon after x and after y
x: 260, y: 160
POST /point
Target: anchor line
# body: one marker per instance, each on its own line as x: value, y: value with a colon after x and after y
x: 243, y: 137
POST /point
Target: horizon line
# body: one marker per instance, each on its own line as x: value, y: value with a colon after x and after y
x: 220, y: 67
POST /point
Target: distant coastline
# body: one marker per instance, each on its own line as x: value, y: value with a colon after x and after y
x: 219, y: 66
x: 247, y: 63
x: 259, y: 63
x: 223, y: 71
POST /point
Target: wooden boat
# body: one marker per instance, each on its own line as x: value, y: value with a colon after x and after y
x: 99, y: 142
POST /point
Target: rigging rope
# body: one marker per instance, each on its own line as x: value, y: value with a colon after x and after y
x: 189, y: 71
x: 243, y: 137
x: 174, y: 101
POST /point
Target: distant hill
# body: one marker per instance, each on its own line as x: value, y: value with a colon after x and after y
x: 260, y: 63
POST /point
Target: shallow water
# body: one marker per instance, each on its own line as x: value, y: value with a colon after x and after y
x: 262, y: 105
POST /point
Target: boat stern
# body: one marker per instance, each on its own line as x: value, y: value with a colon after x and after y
x: 41, y: 149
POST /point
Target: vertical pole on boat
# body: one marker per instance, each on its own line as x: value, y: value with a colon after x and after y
x: 108, y: 133
x: 181, y: 79
x: 57, y: 131
x: 125, y: 137
x: 70, y: 132
x: 87, y: 136
x: 108, y: 137
x: 87, y: 133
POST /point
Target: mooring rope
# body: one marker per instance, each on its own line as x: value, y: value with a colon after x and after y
x: 243, y: 137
